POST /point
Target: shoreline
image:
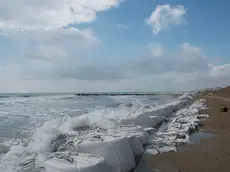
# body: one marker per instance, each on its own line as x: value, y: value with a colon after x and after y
x: 210, y: 154
x: 169, y: 137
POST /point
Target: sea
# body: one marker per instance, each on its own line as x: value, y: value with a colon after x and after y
x: 29, y: 122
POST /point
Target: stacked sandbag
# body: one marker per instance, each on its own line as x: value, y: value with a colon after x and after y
x: 155, y: 117
x: 123, y: 151
x: 136, y: 131
x: 117, y: 152
x: 145, y: 120
x: 176, y: 132
x: 70, y: 162
x: 136, y: 146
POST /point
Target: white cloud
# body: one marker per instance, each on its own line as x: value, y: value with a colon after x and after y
x: 53, y: 45
x: 165, y: 16
x: 156, y: 50
x: 47, y: 55
x: 187, y: 68
x: 189, y: 48
x: 50, y: 14
x: 220, y: 71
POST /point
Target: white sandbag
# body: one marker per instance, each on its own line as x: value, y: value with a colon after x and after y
x: 134, y: 142
x: 28, y: 163
x: 167, y: 149
x: 41, y: 159
x: 164, y: 111
x: 136, y: 146
x: 157, y: 120
x: 150, y: 152
x: 179, y: 105
x: 145, y: 121
x: 137, y: 131
x: 64, y: 162
x: 124, y: 152
x: 150, y: 130
x: 198, y: 105
x: 202, y: 117
x: 103, y: 149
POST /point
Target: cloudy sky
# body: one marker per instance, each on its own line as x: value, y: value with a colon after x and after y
x: 113, y: 45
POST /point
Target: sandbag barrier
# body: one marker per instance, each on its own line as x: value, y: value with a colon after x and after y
x: 176, y: 133
x: 117, y: 149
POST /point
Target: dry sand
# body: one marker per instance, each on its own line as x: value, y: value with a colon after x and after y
x: 208, y: 155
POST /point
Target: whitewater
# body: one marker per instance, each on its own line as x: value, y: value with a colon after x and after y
x: 70, y: 133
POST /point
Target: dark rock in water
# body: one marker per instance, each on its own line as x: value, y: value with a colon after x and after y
x: 224, y: 109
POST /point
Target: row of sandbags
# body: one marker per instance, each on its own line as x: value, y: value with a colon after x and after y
x: 155, y: 117
x: 113, y: 150
x: 177, y: 130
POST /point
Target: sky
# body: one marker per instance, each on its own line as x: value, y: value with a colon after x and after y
x: 113, y: 45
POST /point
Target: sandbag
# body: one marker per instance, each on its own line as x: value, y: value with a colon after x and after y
x: 136, y: 146
x: 167, y: 149
x: 164, y: 111
x: 124, y: 153
x: 117, y: 152
x: 27, y: 164
x: 137, y: 131
x: 103, y: 149
x: 143, y: 120
x: 157, y: 120
x: 70, y: 162
x: 151, y: 152
x: 134, y: 143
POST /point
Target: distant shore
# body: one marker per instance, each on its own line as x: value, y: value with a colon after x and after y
x: 124, y: 94
x: 209, y: 154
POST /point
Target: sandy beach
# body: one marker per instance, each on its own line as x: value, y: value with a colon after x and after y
x: 208, y: 154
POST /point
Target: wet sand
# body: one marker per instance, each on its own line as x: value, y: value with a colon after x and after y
x: 207, y: 154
